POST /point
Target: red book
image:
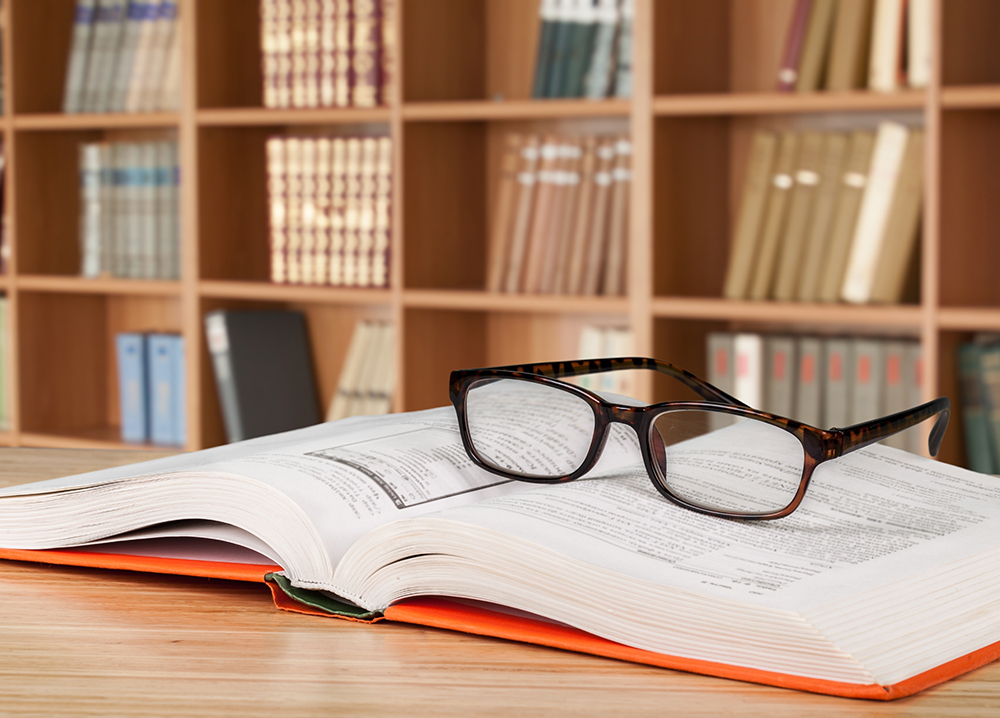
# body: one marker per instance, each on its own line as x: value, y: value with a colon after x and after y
x: 788, y: 73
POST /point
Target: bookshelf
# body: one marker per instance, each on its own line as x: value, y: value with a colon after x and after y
x: 703, y: 81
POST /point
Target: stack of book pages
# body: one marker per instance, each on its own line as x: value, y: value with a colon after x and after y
x: 330, y: 214
x: 560, y: 222
x: 129, y: 210
x: 829, y: 216
x: 125, y: 57
x: 327, y: 53
x: 882, y: 45
x: 584, y: 49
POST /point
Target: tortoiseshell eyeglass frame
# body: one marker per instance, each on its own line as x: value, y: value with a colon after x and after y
x: 818, y: 445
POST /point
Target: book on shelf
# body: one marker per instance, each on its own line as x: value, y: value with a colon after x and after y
x: 584, y: 49
x: 366, y: 381
x: 151, y: 388
x: 327, y: 53
x: 263, y: 368
x: 123, y: 57
x: 129, y: 210
x: 560, y: 217
x: 879, y: 586
x: 4, y: 364
x: 822, y: 381
x: 980, y: 393
x: 597, y: 342
x: 838, y: 45
x: 828, y: 216
x: 330, y: 210
x: 4, y: 229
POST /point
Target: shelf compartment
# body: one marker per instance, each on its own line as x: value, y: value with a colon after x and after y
x: 968, y: 38
x: 457, y: 300
x: 39, y: 52
x: 330, y: 330
x: 68, y: 378
x: 227, y: 40
x: 762, y: 103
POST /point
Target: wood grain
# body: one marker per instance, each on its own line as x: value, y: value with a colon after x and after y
x: 87, y: 642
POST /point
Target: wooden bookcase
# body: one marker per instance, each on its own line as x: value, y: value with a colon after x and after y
x: 703, y: 77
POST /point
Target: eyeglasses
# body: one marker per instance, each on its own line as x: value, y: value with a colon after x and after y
x: 718, y: 457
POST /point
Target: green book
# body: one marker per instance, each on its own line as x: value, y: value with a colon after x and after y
x: 562, y: 36
x: 548, y: 14
x: 989, y: 368
x: 976, y: 425
x: 581, y: 48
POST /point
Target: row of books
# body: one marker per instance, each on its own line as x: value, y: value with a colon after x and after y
x: 125, y: 57
x: 151, y: 388
x: 598, y: 342
x: 129, y: 210
x: 330, y: 210
x: 883, y: 45
x: 979, y: 383
x: 560, y: 222
x: 327, y: 53
x: 821, y: 381
x: 4, y: 371
x: 367, y: 379
x: 584, y: 49
x: 829, y: 216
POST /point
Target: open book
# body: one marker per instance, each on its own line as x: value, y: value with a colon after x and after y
x: 882, y: 583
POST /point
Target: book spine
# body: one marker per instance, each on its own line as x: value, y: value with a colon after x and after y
x: 748, y: 379
x: 561, y: 35
x: 616, y: 261
x: 313, y: 57
x: 527, y: 180
x: 179, y: 386
x: 366, y: 210
x: 822, y: 219
x: 277, y: 195
x: 76, y: 71
x: 807, y: 177
x: 849, y: 46
x: 217, y: 339
x: 816, y: 46
x: 751, y: 216
x: 788, y: 72
x: 126, y: 217
x: 299, y: 20
x: 559, y: 274
x: 503, y: 212
x: 809, y: 388
x: 168, y: 95
x: 343, y: 402
x: 139, y: 37
x: 344, y: 41
x: 383, y: 216
x: 918, y: 41
x: 283, y: 53
x: 886, y: 45
x: 548, y: 11
x: 780, y: 380
x: 979, y: 450
x: 147, y: 155
x: 269, y: 51
x: 895, y: 393
x: 573, y: 277
x: 352, y: 212
x: 562, y: 177
x: 837, y: 386
x: 161, y: 391
x: 580, y: 49
x: 389, y: 64
x: 623, y: 70
x: 598, y: 239
x: 782, y: 182
x: 600, y: 72
x: 168, y: 212
x: 309, y: 189
x: 338, y: 210
x: 108, y: 22
x: 90, y: 210
x: 328, y: 53
x: 293, y: 175
x: 163, y: 33
x: 321, y: 229
x: 541, y: 221
x: 873, y: 215
x: 721, y: 360
x: 133, y: 391
x: 868, y: 380
x: 109, y: 196
x: 367, y: 53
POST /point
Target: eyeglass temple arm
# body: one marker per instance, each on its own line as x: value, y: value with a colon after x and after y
x: 868, y: 432
x: 558, y: 370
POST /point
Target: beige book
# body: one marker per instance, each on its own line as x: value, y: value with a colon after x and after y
x: 366, y: 210
x: 571, y: 279
x: 792, y: 246
x: 327, y: 53
x: 278, y: 208
x: 920, y: 31
x: 389, y: 60
x: 293, y: 253
x: 901, y: 233
x: 169, y: 96
x: 815, y: 51
x: 338, y: 210
x: 562, y: 231
x: 342, y: 94
x: 352, y: 211
x: 307, y: 254
x: 311, y: 43
x: 616, y: 259
x: 321, y: 228
x: 885, y: 56
x: 849, y: 45
x: 541, y: 220
x: 345, y: 398
x: 299, y: 20
x: 849, y: 193
x: 597, y: 242
x: 873, y: 215
x: 760, y: 164
x: 775, y: 217
x: 368, y: 379
x: 283, y: 52
x: 821, y: 221
x: 383, y: 214
x: 527, y: 184
x: 376, y: 393
x: 503, y: 212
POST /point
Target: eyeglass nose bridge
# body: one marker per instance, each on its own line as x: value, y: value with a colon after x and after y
x: 621, y: 414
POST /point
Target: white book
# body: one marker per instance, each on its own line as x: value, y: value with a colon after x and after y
x: 886, y: 45
x: 383, y: 214
x: 601, y: 66
x: 167, y: 211
x: 369, y: 380
x: 130, y: 52
x: 591, y: 346
x: 79, y: 54
x: 920, y: 16
x: 90, y: 210
x: 128, y: 225
x: 169, y: 95
x: 277, y: 197
x: 299, y: 50
x: 342, y: 403
x: 163, y: 33
x: 623, y: 73
x: 748, y: 380
x: 109, y: 197
x: 108, y: 23
x: 873, y: 215
x: 366, y: 210
x: 308, y: 185
x: 146, y: 210
x: 386, y: 375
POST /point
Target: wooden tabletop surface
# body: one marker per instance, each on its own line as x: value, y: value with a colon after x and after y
x: 87, y: 642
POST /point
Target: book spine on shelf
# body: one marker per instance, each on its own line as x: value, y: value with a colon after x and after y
x: 352, y: 211
x: 283, y: 53
x: 163, y: 33
x: 885, y: 56
x: 527, y: 184
x: 168, y: 95
x: 548, y: 14
x: 979, y: 449
x: 90, y: 209
x: 541, y: 220
x: 868, y: 380
x: 751, y: 215
x: 780, y: 380
x: 500, y: 234
x: 849, y: 46
x: 919, y: 27
x: 597, y: 241
x: 299, y: 20
x: 572, y: 275
x: 389, y: 64
x: 321, y: 228
x: 109, y: 196
x: 809, y: 387
x: 623, y: 69
x: 989, y: 367
x: 895, y: 394
x: 815, y: 49
x: 327, y: 53
x: 345, y: 398
x: 561, y: 35
x: 108, y: 23
x: 567, y: 178
x: 748, y: 379
x: 313, y: 59
x: 600, y: 72
x: 782, y: 182
x: 874, y: 212
x: 131, y: 85
x: 338, y: 210
x: 126, y: 248
x: 913, y: 379
x: 558, y: 279
x: 80, y: 51
x: 269, y: 51
x: 367, y: 53
x: 308, y: 183
x: 616, y: 259
x: 293, y: 182
x: 277, y: 194
x: 133, y: 389
x: 217, y: 339
x: 162, y: 392
x: 383, y: 215
x: 366, y: 210
x: 721, y: 361
x: 837, y: 385
x: 580, y: 48
x: 146, y: 203
x: 788, y: 72
x: 821, y: 222
x: 344, y: 41
x: 803, y: 197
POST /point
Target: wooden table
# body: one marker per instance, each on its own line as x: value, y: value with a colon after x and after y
x: 92, y: 642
